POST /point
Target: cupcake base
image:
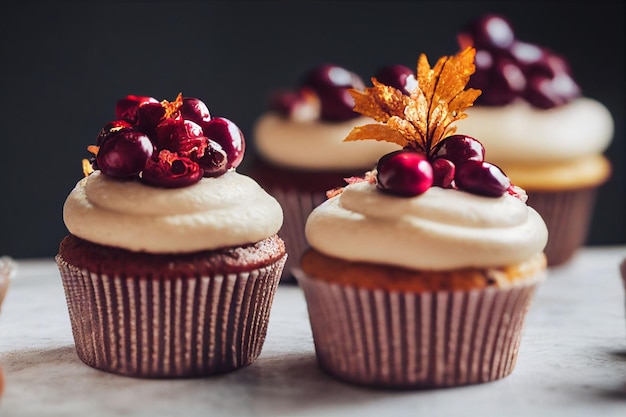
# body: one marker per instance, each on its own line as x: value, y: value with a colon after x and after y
x: 409, y: 340
x: 171, y: 324
x: 567, y: 215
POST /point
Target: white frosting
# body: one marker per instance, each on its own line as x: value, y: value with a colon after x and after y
x: 229, y: 210
x: 316, y: 145
x: 521, y: 133
x: 440, y: 229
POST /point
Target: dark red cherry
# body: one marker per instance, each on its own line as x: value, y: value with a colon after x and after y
x: 148, y: 116
x: 214, y: 160
x: 397, y: 76
x: 490, y: 31
x: 195, y: 110
x: 506, y: 83
x: 459, y: 149
x: 482, y: 178
x: 229, y: 136
x: 302, y: 105
x: 405, y: 173
x: 443, y: 172
x: 124, y: 153
x: 111, y: 127
x: 331, y: 84
x: 170, y: 170
x: 126, y: 108
x: 328, y: 75
x: 336, y: 104
x: 543, y: 92
x: 182, y: 136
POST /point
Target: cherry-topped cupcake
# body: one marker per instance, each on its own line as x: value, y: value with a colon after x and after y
x: 539, y: 128
x: 421, y: 272
x: 301, y: 153
x: 173, y: 258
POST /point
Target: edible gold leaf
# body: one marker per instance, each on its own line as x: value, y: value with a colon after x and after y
x: 379, y: 132
x: 425, y: 117
x: 379, y: 102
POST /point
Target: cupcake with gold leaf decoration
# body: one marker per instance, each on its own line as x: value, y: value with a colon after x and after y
x: 420, y: 273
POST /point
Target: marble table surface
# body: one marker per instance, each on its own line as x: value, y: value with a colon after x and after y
x: 572, y: 361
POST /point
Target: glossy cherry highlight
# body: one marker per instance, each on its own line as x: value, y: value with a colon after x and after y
x: 405, y: 173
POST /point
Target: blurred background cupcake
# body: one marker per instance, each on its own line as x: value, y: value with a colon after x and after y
x: 539, y: 128
x: 300, y: 149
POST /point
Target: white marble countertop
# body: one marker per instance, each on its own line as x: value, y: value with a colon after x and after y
x: 572, y: 361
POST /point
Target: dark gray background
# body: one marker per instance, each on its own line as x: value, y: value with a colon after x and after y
x: 65, y: 64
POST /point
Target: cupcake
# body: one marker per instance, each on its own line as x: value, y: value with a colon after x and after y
x: 300, y: 149
x: 172, y: 258
x: 7, y: 271
x: 420, y: 274
x: 539, y: 128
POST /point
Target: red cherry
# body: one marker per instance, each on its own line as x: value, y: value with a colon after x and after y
x: 482, y: 178
x: 405, y: 173
x: 328, y: 75
x: 214, y: 160
x: 229, y: 136
x: 171, y: 171
x: 110, y: 128
x: 337, y: 104
x: 124, y: 153
x: 331, y: 84
x: 443, y: 173
x: 148, y: 116
x: 301, y: 105
x: 459, y: 149
x: 182, y: 136
x: 489, y: 31
x: 195, y: 110
x: 397, y: 76
x: 126, y: 108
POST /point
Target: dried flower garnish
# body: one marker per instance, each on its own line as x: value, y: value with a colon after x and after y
x: 424, y: 118
x: 370, y: 177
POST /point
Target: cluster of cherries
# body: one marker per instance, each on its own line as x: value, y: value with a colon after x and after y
x: 165, y: 144
x: 323, y: 93
x: 507, y: 69
x: 455, y: 162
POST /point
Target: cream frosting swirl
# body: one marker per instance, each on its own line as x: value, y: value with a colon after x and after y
x: 316, y: 145
x: 229, y: 210
x: 521, y: 133
x: 441, y: 229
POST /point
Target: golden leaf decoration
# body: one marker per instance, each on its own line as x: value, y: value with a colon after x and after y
x: 425, y: 117
x: 377, y: 132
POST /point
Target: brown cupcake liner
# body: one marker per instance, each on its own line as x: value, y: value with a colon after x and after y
x: 297, y: 205
x: 169, y: 327
x: 407, y: 340
x: 567, y: 215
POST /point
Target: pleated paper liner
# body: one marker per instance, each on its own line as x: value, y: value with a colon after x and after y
x: 169, y: 327
x: 409, y: 340
x: 567, y: 215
